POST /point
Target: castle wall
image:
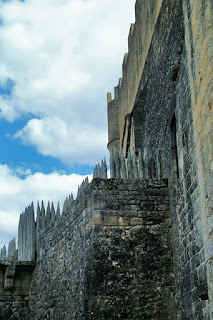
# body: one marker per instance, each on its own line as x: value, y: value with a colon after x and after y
x: 102, y: 258
x: 172, y: 123
x: 163, y: 121
x: 198, y: 17
x: 58, y: 286
x: 109, y: 256
x: 139, y: 40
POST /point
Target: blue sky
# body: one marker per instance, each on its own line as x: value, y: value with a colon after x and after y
x: 58, y: 60
x: 17, y: 154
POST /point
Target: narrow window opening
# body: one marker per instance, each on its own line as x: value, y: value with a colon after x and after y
x: 174, y: 152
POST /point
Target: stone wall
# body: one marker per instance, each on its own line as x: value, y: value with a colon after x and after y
x: 139, y: 40
x: 199, y: 44
x: 170, y: 120
x: 130, y: 270
x: 15, y: 278
x: 109, y: 257
x: 163, y: 121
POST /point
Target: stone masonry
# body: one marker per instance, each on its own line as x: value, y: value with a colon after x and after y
x: 102, y: 259
x: 139, y: 245
x: 162, y: 107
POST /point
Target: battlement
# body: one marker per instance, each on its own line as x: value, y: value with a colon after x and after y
x: 31, y: 229
x: 91, y: 244
x: 139, y: 40
x: 74, y: 263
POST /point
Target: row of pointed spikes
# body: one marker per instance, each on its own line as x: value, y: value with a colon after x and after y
x: 45, y: 217
x: 3, y: 253
x: 11, y: 250
x: 28, y: 211
x: 100, y: 171
x: 67, y: 203
x: 69, y: 200
x: 83, y: 186
x: 133, y: 167
x: 27, y: 216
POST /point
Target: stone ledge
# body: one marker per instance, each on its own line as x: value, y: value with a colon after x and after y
x: 11, y: 271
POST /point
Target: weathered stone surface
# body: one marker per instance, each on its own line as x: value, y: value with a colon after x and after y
x: 14, y: 290
x: 106, y: 251
x: 163, y: 107
x: 109, y: 255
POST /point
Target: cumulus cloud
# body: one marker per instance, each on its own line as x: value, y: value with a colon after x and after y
x: 54, y: 187
x: 52, y: 136
x: 63, y: 56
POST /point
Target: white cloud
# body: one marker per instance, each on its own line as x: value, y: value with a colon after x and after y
x: 63, y: 57
x: 54, y: 187
x: 52, y: 136
x: 20, y: 171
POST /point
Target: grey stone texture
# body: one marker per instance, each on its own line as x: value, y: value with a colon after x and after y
x: 15, y: 279
x: 161, y: 125
x: 191, y: 284
x: 101, y: 260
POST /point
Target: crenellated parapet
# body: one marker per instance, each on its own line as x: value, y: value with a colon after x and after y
x: 104, y: 240
x: 31, y: 229
x: 67, y: 203
x: 131, y: 165
x: 100, y: 171
x: 83, y: 186
x: 135, y: 166
x: 139, y: 41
